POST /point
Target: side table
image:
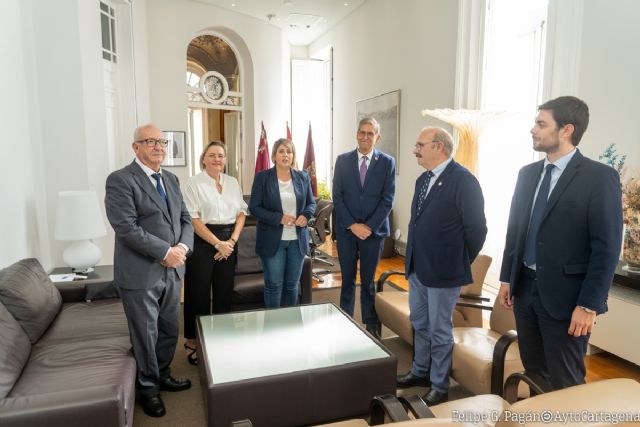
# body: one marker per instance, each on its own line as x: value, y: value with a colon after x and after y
x: 98, y: 284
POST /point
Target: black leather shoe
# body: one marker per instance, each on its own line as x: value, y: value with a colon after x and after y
x: 153, y: 406
x: 409, y: 380
x: 172, y: 384
x: 373, y: 330
x: 435, y: 397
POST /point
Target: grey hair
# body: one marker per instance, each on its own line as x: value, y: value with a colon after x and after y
x: 136, y: 132
x: 370, y: 121
x: 441, y: 135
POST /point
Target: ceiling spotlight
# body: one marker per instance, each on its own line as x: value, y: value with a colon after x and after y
x: 288, y: 3
x: 233, y: 5
x: 345, y: 4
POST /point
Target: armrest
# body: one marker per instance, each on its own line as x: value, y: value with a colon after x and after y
x: 499, y: 355
x: 465, y: 301
x: 305, y: 281
x: 242, y: 423
x: 384, y: 276
x: 99, y: 405
x: 417, y: 406
x: 72, y: 291
x: 386, y: 405
x: 536, y: 383
x: 475, y: 298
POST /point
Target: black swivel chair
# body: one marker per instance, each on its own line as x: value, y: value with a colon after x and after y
x: 319, y: 229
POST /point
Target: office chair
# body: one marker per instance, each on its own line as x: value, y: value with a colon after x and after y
x: 319, y: 230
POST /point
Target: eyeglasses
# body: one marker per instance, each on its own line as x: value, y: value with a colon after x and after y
x: 363, y: 134
x: 150, y: 142
x: 419, y: 145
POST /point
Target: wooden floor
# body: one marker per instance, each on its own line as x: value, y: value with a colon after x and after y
x: 599, y: 366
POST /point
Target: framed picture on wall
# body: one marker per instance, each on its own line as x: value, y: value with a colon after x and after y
x: 176, y: 149
x: 385, y: 108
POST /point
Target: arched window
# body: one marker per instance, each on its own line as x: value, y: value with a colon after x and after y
x: 214, y: 100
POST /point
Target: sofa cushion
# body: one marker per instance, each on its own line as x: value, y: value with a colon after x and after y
x: 248, y: 288
x: 29, y: 295
x: 14, y: 351
x: 248, y: 261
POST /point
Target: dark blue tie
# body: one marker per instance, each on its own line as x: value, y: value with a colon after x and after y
x: 423, y: 190
x: 536, y: 217
x: 158, y: 178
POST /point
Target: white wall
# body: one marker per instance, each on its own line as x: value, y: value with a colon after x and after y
x: 23, y: 219
x: 609, y: 77
x: 387, y: 45
x: 171, y: 26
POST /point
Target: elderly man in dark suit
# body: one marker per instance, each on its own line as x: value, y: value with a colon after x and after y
x: 153, y: 236
x: 562, y: 245
x: 364, y: 185
x: 446, y: 232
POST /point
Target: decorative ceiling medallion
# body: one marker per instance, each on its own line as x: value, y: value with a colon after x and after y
x: 214, y: 87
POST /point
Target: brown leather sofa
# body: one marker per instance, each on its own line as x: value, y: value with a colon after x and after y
x: 248, y: 286
x: 63, y: 361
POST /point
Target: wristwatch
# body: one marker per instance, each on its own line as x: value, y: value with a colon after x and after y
x: 217, y: 246
x: 588, y: 310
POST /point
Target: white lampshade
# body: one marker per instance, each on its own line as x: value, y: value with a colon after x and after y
x: 79, y: 218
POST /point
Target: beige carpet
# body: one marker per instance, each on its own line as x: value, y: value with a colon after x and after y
x: 186, y: 408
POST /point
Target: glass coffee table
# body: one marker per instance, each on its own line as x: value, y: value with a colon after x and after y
x: 290, y: 366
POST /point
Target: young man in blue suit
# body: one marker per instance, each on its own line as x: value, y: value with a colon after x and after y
x: 364, y: 184
x: 446, y: 232
x: 562, y: 245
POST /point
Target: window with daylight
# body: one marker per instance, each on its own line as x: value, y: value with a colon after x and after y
x: 511, y: 89
x: 108, y: 26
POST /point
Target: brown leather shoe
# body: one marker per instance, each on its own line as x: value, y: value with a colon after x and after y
x: 435, y: 397
x: 153, y: 406
x: 173, y: 384
x: 409, y: 380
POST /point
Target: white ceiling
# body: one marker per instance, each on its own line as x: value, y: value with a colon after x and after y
x: 302, y: 21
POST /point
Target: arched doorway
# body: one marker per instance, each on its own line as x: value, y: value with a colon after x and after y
x: 215, y: 99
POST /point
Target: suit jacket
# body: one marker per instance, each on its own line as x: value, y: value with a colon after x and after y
x: 266, y: 206
x: 370, y: 204
x: 578, y: 243
x: 145, y: 229
x: 446, y: 235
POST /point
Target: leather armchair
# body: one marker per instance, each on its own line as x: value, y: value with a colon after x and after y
x: 393, y: 307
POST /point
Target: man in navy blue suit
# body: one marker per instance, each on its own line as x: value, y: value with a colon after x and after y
x: 446, y: 232
x: 364, y: 184
x: 562, y: 245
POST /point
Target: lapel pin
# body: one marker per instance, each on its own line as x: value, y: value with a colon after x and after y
x: 439, y: 184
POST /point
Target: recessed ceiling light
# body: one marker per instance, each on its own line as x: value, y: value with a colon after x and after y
x: 288, y: 2
x: 346, y: 4
x: 233, y: 5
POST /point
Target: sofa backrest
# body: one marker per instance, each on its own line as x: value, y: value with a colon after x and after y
x: 30, y: 296
x: 248, y: 261
x: 14, y: 351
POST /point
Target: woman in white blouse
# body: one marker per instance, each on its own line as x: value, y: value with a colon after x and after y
x: 214, y: 200
x: 282, y: 201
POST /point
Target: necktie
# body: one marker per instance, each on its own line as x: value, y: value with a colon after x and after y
x: 536, y: 217
x: 363, y: 170
x: 423, y: 190
x: 158, y: 177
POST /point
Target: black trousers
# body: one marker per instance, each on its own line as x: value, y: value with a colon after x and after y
x: 205, y: 276
x: 546, y: 348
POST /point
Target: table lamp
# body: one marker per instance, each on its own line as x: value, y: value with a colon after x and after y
x: 80, y: 218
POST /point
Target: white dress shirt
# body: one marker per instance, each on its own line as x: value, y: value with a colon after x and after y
x: 205, y: 202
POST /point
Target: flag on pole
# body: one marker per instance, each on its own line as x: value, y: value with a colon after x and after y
x: 289, y: 132
x: 262, y: 158
x: 310, y: 163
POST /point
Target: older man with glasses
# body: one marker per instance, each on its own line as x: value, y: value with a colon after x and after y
x: 153, y: 237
